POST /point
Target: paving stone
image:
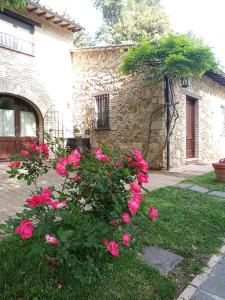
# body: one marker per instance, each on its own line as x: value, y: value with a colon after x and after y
x: 199, y: 189
x: 183, y: 185
x: 217, y: 193
x: 204, y: 296
x: 163, y: 260
x: 215, y: 284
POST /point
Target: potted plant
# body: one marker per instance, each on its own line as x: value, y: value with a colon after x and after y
x: 219, y: 169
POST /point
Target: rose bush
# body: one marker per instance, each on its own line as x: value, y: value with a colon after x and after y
x: 89, y: 217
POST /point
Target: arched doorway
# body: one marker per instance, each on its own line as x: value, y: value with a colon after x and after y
x: 19, y: 125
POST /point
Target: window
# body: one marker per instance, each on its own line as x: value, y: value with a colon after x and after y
x: 102, y: 106
x: 15, y: 34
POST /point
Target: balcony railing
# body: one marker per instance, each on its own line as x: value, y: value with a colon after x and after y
x: 16, y: 44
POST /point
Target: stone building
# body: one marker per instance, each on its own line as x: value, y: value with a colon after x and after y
x: 120, y: 110
x: 46, y: 85
x: 35, y: 76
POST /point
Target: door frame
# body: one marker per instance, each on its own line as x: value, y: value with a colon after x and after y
x: 195, y: 99
x: 17, y: 138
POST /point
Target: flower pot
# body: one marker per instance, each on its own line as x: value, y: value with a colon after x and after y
x: 219, y: 169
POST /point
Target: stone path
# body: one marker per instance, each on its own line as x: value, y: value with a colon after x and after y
x: 214, y: 286
x: 200, y: 189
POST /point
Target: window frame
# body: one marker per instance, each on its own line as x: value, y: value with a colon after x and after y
x: 102, y: 111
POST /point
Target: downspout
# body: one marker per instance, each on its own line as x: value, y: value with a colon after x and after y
x: 167, y: 103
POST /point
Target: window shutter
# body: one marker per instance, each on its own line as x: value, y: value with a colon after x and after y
x: 102, y: 103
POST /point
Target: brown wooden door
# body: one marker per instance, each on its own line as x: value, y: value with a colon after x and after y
x: 18, y: 126
x: 190, y: 128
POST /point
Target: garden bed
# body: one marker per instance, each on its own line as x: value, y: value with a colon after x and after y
x: 190, y: 224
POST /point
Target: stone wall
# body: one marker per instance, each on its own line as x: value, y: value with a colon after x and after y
x: 95, y: 72
x: 44, y: 79
x: 209, y: 122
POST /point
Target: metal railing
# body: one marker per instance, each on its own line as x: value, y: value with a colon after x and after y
x: 17, y: 44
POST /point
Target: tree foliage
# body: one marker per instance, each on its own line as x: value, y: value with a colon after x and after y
x: 130, y: 20
x: 174, y: 55
x: 13, y: 3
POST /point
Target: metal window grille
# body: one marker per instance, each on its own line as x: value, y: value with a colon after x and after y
x: 102, y: 103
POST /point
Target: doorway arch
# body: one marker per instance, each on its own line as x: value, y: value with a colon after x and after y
x: 19, y: 125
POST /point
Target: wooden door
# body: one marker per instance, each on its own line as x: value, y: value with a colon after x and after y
x: 18, y: 126
x: 190, y: 127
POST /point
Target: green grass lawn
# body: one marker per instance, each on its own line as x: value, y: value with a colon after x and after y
x: 209, y: 181
x: 190, y: 224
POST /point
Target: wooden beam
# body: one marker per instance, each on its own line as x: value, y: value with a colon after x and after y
x: 58, y: 22
x: 41, y: 14
x: 50, y: 18
x: 32, y: 9
x: 65, y: 25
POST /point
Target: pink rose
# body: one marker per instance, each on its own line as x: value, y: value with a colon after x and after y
x: 135, y: 187
x: 126, y: 218
x: 51, y: 239
x: 142, y: 177
x: 114, y: 223
x: 136, y: 197
x: 137, y: 154
x: 74, y: 158
x: 24, y: 152
x: 58, y: 204
x: 143, y: 165
x: 106, y: 242
x: 117, y: 165
x: 45, y: 196
x: 113, y: 248
x: 100, y: 156
x: 14, y: 164
x: 34, y: 201
x: 32, y: 146
x: 25, y: 229
x: 44, y: 149
x: 133, y: 206
x: 61, y: 166
x: 126, y: 239
x: 153, y: 213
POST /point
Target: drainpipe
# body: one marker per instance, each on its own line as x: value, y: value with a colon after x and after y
x: 167, y: 102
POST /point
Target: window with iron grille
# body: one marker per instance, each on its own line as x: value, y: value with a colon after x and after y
x: 102, y: 105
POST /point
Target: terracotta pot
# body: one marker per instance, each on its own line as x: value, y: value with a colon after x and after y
x: 219, y: 169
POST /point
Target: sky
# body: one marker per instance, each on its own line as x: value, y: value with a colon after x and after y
x: 205, y: 18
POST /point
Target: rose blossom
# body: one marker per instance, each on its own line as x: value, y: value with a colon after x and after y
x: 142, y: 177
x: 153, y: 213
x: 137, y: 154
x: 61, y: 166
x: 106, y: 242
x: 58, y: 204
x: 45, y: 150
x: 143, y: 165
x: 100, y: 156
x: 25, y: 229
x: 114, y: 223
x: 74, y: 158
x: 133, y: 206
x: 51, y: 239
x: 45, y: 196
x: 113, y: 248
x: 14, y: 164
x: 126, y: 218
x: 117, y: 165
x: 24, y: 152
x: 135, y: 187
x: 126, y: 239
x: 34, y: 201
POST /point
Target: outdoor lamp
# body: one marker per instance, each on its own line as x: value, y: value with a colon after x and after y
x: 184, y: 82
